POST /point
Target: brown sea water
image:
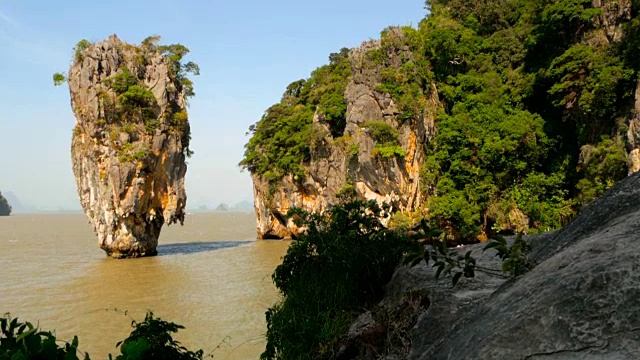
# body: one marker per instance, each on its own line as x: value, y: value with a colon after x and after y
x: 211, y: 276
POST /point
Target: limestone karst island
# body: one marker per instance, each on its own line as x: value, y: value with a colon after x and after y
x: 462, y: 185
x: 130, y: 140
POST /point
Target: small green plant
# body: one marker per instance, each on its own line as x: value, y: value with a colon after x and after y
x: 59, y: 79
x: 129, y: 128
x: 447, y: 261
x: 152, y: 339
x: 121, y: 82
x: 81, y: 46
x: 515, y: 259
x: 381, y: 132
x: 386, y: 137
x: 388, y: 150
x: 179, y: 119
x: 348, y: 191
x: 151, y: 124
x: 401, y: 221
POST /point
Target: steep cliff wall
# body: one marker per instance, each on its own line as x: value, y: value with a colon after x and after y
x: 129, y: 143
x: 350, y: 160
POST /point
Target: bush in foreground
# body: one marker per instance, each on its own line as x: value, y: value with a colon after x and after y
x: 150, y: 339
x: 338, y: 267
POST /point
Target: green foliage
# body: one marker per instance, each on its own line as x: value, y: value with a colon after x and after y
x: 5, y: 208
x: 515, y: 259
x: 408, y: 81
x: 381, y: 132
x: 80, y: 47
x: 386, y: 136
x: 400, y: 221
x: 388, y: 150
x: 121, y: 82
x: 136, y: 97
x: 280, y: 142
x: 601, y: 166
x: 59, y: 79
x: 22, y: 340
x: 129, y: 153
x: 338, y: 266
x: 523, y: 91
x: 152, y: 339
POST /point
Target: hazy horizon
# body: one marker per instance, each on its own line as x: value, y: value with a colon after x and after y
x: 248, y: 53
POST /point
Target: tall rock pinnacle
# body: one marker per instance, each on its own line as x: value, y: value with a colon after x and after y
x: 130, y: 140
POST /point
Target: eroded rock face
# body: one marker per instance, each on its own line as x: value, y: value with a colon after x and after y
x: 350, y: 160
x: 128, y: 162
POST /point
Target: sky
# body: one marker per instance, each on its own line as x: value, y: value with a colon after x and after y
x: 248, y: 52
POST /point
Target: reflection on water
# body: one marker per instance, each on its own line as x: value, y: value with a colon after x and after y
x: 196, y: 247
x: 211, y: 277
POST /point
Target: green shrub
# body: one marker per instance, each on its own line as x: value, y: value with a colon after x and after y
x: 150, y: 339
x: 381, y: 132
x: 121, y: 82
x: 136, y: 96
x: 81, y: 46
x: 386, y: 136
x: 388, y: 150
x: 59, y: 79
x: 337, y: 267
x: 22, y: 340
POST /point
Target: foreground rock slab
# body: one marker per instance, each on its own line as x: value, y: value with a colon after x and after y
x: 580, y: 301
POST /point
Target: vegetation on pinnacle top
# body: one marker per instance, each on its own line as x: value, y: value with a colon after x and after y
x: 536, y: 97
x: 125, y: 101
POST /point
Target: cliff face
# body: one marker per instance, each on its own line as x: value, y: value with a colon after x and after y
x: 129, y: 143
x: 351, y: 161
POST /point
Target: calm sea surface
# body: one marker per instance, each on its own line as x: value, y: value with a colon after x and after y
x: 210, y: 276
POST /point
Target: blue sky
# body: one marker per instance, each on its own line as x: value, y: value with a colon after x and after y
x: 248, y: 51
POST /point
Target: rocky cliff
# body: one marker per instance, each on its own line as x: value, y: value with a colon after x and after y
x: 130, y: 141
x: 350, y: 160
x: 501, y: 125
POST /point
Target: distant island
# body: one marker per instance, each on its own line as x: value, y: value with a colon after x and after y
x: 242, y: 206
x: 5, y: 208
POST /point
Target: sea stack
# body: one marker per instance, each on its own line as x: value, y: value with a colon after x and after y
x: 130, y: 140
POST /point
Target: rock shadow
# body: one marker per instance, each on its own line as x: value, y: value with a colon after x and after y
x: 196, y: 247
